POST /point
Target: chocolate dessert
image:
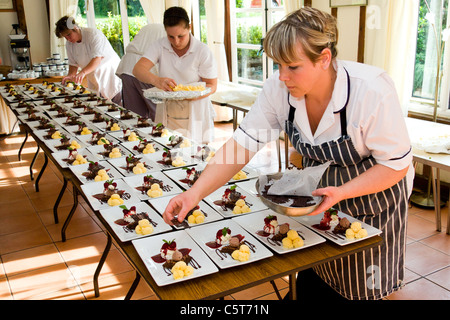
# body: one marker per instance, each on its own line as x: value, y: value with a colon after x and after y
x: 225, y: 243
x: 229, y: 198
x: 157, y: 130
x: 148, y: 181
x: 169, y: 255
x: 110, y: 188
x: 143, y: 123
x: 131, y: 219
x: 291, y: 201
x: 93, y: 170
x: 192, y: 175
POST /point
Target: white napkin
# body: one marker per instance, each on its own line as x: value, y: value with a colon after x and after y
x: 297, y: 182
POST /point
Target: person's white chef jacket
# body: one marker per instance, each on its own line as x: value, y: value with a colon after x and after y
x: 193, y: 119
x: 136, y: 48
x: 374, y: 116
x: 95, y: 44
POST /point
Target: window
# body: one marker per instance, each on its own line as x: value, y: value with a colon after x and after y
x: 119, y: 20
x: 432, y: 21
x: 250, y: 21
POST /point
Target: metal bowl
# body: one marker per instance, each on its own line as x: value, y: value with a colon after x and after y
x: 285, y: 210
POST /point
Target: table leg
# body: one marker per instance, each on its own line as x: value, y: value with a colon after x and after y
x: 448, y: 215
x: 292, y: 287
x: 36, y: 184
x: 58, y: 200
x: 69, y: 217
x: 100, y: 264
x: 437, y: 200
x: 21, y: 147
x: 133, y: 286
x: 33, y: 161
x: 276, y: 289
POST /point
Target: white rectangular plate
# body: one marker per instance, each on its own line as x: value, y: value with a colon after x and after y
x: 207, y: 233
x: 97, y: 187
x: 254, y: 223
x: 135, y: 181
x: 110, y: 170
x: 151, y: 246
x: 116, y: 213
x: 341, y: 240
x: 211, y: 215
x: 121, y: 163
x: 253, y: 202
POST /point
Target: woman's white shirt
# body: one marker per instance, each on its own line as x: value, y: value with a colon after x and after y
x: 95, y: 44
x: 136, y: 48
x: 198, y: 62
x: 375, y: 121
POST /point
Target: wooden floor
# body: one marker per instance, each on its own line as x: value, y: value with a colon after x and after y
x: 35, y: 264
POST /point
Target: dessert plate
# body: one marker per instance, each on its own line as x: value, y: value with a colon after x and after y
x: 312, y: 222
x: 98, y: 149
x: 254, y: 224
x: 215, y: 198
x: 149, y: 247
x: 129, y: 145
x: 179, y: 175
x: 210, y: 214
x: 121, y: 163
x: 206, y: 234
x: 92, y: 189
x: 54, y: 143
x: 113, y: 214
x: 60, y: 157
x: 82, y: 168
x: 157, y: 158
x: 122, y: 136
x: 136, y: 181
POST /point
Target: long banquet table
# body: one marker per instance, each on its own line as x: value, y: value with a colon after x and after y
x: 212, y: 286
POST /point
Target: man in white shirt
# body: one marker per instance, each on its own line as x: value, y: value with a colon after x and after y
x: 133, y: 89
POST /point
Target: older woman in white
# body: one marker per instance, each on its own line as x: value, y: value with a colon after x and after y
x: 91, y: 56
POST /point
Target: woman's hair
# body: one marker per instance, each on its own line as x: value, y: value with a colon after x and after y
x: 313, y: 29
x: 175, y: 16
x: 64, y: 24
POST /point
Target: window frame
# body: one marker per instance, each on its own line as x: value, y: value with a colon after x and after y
x: 267, y: 64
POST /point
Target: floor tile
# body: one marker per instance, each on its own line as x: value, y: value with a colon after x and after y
x: 421, y: 289
x: 424, y: 260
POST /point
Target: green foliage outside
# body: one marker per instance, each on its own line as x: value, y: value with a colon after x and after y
x: 422, y: 37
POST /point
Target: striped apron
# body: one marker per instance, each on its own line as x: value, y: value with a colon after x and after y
x: 373, y: 273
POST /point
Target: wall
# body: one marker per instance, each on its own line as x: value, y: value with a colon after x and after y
x: 348, y: 26
x: 38, y: 31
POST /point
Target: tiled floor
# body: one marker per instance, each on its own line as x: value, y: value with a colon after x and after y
x: 36, y: 264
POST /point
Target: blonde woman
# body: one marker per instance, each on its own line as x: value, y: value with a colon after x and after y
x: 333, y: 111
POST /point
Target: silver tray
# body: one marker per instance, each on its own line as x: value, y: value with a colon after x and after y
x: 288, y: 211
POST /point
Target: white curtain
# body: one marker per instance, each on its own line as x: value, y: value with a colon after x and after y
x: 58, y: 9
x: 154, y: 9
x: 7, y: 119
x: 391, y: 29
x: 292, y: 5
x: 215, y: 25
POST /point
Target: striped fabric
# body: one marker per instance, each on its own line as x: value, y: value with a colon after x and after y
x: 377, y: 272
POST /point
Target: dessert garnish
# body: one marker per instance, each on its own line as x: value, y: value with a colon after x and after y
x: 225, y: 244
x: 176, y: 262
x: 136, y: 222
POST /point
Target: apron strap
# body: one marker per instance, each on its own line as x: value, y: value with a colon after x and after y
x: 342, y: 112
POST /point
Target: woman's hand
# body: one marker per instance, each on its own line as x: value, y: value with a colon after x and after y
x: 331, y: 196
x: 78, y: 79
x: 179, y: 207
x: 165, y: 84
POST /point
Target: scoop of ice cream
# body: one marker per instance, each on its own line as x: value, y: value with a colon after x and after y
x: 284, y: 228
x: 234, y: 241
x: 177, y: 255
x: 132, y: 137
x: 139, y: 168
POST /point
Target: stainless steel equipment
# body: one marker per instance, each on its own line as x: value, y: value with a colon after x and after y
x: 19, y: 49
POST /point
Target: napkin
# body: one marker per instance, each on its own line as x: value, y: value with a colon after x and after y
x: 297, y: 182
